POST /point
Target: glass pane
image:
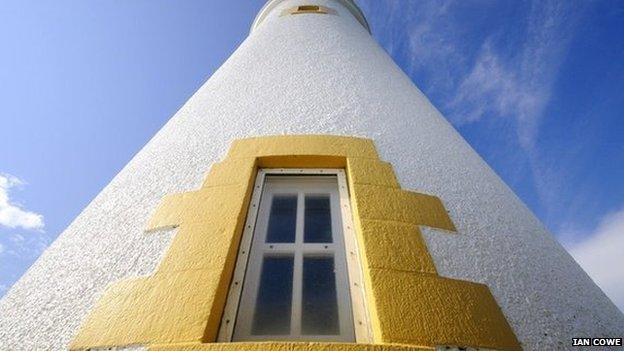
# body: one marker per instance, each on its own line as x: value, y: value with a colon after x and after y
x: 272, y: 313
x: 317, y: 219
x: 283, y: 219
x: 320, y: 308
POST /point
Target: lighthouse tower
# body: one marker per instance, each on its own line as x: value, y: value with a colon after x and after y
x: 307, y: 197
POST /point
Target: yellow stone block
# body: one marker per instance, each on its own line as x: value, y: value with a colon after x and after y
x: 384, y: 203
x: 201, y: 247
x: 215, y: 203
x: 371, y: 171
x: 169, y: 212
x: 218, y: 202
x: 166, y: 308
x: 321, y: 145
x: 425, y: 309
x: 231, y: 172
x: 397, y: 246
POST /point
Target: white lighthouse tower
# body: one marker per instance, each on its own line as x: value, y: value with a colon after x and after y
x: 307, y: 197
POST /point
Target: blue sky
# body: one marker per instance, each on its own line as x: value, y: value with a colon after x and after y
x: 534, y: 86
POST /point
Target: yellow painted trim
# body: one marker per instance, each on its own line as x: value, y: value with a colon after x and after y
x: 180, y: 306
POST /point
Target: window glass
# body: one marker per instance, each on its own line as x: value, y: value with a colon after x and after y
x: 283, y: 219
x: 317, y: 227
x: 319, y: 305
x: 273, y: 305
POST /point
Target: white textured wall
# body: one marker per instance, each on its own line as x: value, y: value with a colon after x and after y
x: 314, y: 74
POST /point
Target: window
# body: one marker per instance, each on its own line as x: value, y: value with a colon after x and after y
x: 294, y: 279
x: 308, y: 9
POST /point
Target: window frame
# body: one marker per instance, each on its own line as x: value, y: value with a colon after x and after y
x: 360, y: 318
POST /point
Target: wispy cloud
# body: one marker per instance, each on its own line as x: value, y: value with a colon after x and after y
x: 600, y: 255
x: 433, y: 43
x: 518, y: 85
x: 501, y: 79
x: 507, y: 73
x: 489, y: 88
x: 12, y: 215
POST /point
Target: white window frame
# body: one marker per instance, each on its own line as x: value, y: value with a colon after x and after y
x: 361, y: 324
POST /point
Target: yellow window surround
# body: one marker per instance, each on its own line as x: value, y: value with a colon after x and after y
x: 411, y: 307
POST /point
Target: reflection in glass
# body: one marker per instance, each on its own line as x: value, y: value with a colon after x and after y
x: 272, y: 313
x: 319, y: 305
x: 317, y: 219
x: 282, y: 219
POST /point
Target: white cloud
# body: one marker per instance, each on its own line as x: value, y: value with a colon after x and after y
x: 518, y: 85
x: 509, y: 74
x: 513, y: 77
x: 433, y: 42
x: 500, y: 75
x: 426, y: 36
x: 12, y: 215
x: 489, y: 87
x: 600, y: 256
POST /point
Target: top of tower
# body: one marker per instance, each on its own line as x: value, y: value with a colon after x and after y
x: 271, y: 4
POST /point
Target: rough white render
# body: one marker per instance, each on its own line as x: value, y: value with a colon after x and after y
x: 319, y: 74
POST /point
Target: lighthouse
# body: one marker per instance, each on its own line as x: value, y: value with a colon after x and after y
x: 307, y: 197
